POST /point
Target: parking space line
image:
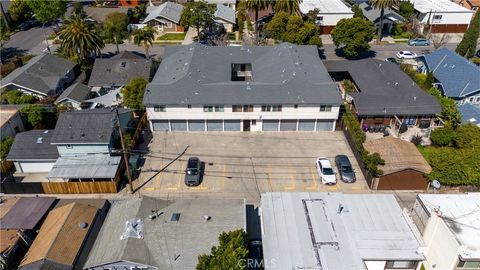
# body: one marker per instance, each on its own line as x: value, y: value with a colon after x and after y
x: 332, y: 188
x: 269, y: 178
x: 149, y: 188
x: 198, y: 188
x: 315, y: 185
x: 172, y: 188
x: 290, y: 171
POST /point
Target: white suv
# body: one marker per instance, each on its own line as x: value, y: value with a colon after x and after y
x: 325, y: 171
x: 406, y: 55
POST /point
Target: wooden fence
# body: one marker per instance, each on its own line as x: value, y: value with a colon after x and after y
x: 79, y: 187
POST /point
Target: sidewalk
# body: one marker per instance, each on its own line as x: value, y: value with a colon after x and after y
x: 191, y: 33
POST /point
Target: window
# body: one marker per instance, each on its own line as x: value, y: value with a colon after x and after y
x: 247, y: 108
x: 471, y: 99
x: 216, y: 108
x: 219, y: 108
x: 437, y: 18
x: 254, y: 122
x: 69, y: 146
x: 189, y: 106
x: 159, y: 109
x: 295, y: 106
x: 478, y: 100
x: 325, y: 108
x: 468, y: 265
x: 401, y: 265
x: 242, y: 108
x: 271, y: 108
x: 208, y: 108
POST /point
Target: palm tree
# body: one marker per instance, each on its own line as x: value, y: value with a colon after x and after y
x: 382, y: 5
x: 144, y: 37
x: 257, y: 5
x: 79, y: 38
x: 289, y: 6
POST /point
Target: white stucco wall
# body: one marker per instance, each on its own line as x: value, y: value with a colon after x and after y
x: 80, y: 149
x: 333, y: 18
x: 448, y: 17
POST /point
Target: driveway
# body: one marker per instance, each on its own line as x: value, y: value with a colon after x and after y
x: 243, y: 165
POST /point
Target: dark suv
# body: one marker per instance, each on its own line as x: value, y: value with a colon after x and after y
x: 345, y: 169
x: 193, y: 172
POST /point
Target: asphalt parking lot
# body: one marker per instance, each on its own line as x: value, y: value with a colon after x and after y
x: 243, y: 164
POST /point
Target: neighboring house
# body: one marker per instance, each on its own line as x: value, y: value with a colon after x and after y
x: 448, y: 224
x: 455, y: 76
x: 61, y: 240
x: 228, y: 3
x: 442, y: 16
x: 302, y: 230
x: 385, y: 96
x: 11, y: 123
x: 245, y: 88
x: 470, y: 4
x: 99, y: 14
x: 165, y: 17
x: 19, y: 221
x: 330, y: 12
x: 225, y: 16
x: 470, y: 113
x: 390, y: 17
x: 109, y: 75
x: 404, y: 168
x: 151, y: 233
x: 44, y: 75
x: 74, y: 96
x: 31, y: 152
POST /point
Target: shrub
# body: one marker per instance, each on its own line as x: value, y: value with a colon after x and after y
x: 417, y: 140
x: 467, y: 136
x: 442, y: 136
x: 5, y: 147
x: 348, y: 86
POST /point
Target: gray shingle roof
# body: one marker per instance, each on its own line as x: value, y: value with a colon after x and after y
x: 225, y: 13
x: 88, y: 166
x: 470, y: 113
x: 373, y: 14
x: 42, y: 73
x: 168, y: 10
x: 188, y: 237
x: 385, y: 89
x: 120, y: 70
x: 201, y: 75
x: 26, y: 213
x: 77, y: 92
x: 28, y: 146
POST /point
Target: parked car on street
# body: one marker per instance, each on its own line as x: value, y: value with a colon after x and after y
x: 391, y: 60
x: 193, y: 172
x: 406, y: 55
x: 419, y: 42
x: 345, y: 169
x: 325, y: 171
x: 27, y: 25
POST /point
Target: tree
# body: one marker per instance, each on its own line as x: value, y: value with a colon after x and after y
x: 257, y: 5
x: 292, y: 28
x: 357, y: 11
x: 79, y: 39
x: 406, y: 9
x: 144, y: 37
x: 3, y: 31
x: 467, y: 46
x: 17, y: 97
x: 19, y: 11
x: 115, y: 27
x: 450, y: 114
x: 5, y: 146
x: 34, y: 113
x: 467, y: 136
x: 442, y: 136
x: 277, y: 26
x: 382, y: 5
x: 133, y: 93
x: 138, y: 13
x: 47, y: 10
x: 229, y: 254
x: 199, y: 15
x: 354, y: 35
x: 289, y: 6
x: 312, y: 15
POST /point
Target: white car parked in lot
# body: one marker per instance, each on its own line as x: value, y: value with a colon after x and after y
x: 325, y: 171
x: 406, y: 55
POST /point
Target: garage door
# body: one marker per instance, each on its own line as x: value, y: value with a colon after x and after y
x: 214, y: 125
x: 196, y: 125
x: 324, y: 125
x: 36, y: 167
x: 161, y: 125
x: 232, y: 125
x: 288, y: 125
x: 270, y: 125
x: 178, y: 125
x: 306, y: 125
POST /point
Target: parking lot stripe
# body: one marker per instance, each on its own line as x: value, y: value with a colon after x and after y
x: 313, y: 180
x: 198, y: 188
x: 172, y: 188
x: 269, y: 179
x: 332, y: 188
x: 149, y: 188
x: 290, y: 171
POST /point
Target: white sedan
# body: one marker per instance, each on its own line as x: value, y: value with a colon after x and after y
x: 406, y: 55
x: 325, y: 171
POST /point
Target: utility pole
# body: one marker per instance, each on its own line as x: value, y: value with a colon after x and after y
x: 124, y: 152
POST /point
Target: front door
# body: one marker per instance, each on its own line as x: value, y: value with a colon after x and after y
x: 246, y: 125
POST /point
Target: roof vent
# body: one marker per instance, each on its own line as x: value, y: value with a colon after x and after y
x: 82, y: 134
x: 39, y: 140
x: 82, y: 225
x: 340, y: 208
x: 46, y: 131
x: 154, y: 214
x: 414, y: 98
x: 175, y: 217
x: 69, y: 125
x: 123, y: 64
x: 207, y: 218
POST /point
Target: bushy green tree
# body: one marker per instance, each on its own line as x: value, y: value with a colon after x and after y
x: 229, y: 254
x: 450, y: 114
x: 467, y: 136
x: 47, y: 10
x: 277, y: 26
x: 34, y: 114
x: 467, y: 46
x: 353, y: 35
x: 406, y: 9
x: 292, y: 28
x: 289, y: 6
x: 5, y: 146
x: 442, y: 136
x: 115, y: 27
x: 17, y: 97
x: 19, y: 11
x: 138, y: 13
x: 199, y: 15
x: 4, y: 31
x: 357, y: 11
x: 133, y: 93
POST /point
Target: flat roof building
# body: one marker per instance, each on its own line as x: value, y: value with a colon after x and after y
x: 329, y: 12
x: 304, y: 230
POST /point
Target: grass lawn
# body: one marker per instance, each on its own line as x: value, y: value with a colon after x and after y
x: 173, y: 36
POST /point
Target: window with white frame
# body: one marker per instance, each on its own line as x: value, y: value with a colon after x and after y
x: 160, y: 109
x: 468, y: 264
x: 216, y: 108
x: 325, y: 108
x: 271, y: 108
x: 437, y: 18
x: 401, y: 265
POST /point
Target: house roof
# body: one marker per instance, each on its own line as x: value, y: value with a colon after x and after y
x: 6, y: 115
x: 458, y: 76
x: 26, y: 213
x: 99, y: 166
x: 325, y: 6
x: 470, y: 113
x: 398, y: 155
x: 8, y: 239
x: 33, y: 144
x: 42, y: 73
x: 60, y: 238
x: 168, y: 10
x: 373, y: 14
x: 99, y: 14
x: 225, y: 13
x: 85, y: 126
x: 6, y: 204
x: 426, y: 6
x: 188, y: 237
x: 304, y: 230
x: 119, y: 70
x: 77, y: 92
x: 384, y: 89
x: 202, y: 75
x: 461, y: 214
